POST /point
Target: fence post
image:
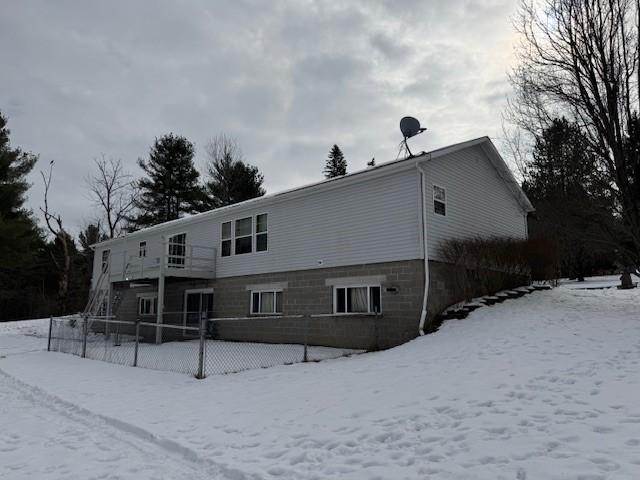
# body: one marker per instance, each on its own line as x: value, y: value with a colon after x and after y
x: 50, y: 327
x: 135, y: 350
x: 376, y: 332
x: 305, y: 358
x: 84, y: 336
x: 203, y: 324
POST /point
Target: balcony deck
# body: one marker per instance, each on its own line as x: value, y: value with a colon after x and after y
x: 190, y: 261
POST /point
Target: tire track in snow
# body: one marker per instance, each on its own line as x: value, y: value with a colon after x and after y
x: 183, y: 461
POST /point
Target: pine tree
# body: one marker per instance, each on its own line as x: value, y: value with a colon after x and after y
x: 564, y: 184
x: 231, y: 180
x: 336, y: 165
x: 20, y: 238
x: 171, y: 187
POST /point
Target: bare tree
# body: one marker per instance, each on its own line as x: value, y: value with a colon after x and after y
x: 579, y: 59
x: 54, y: 225
x: 114, y: 191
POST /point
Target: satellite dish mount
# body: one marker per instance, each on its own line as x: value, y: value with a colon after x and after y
x: 410, y: 127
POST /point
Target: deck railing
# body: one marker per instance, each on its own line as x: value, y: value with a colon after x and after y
x: 184, y: 260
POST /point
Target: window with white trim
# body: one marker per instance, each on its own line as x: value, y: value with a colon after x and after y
x: 142, y: 249
x: 225, y: 235
x: 266, y: 301
x: 177, y: 250
x: 358, y: 299
x: 105, y: 260
x: 261, y: 232
x: 243, y: 235
x: 147, y: 304
x: 439, y: 200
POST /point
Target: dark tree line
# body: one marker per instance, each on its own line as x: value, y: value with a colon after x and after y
x: 572, y: 204
x: 579, y: 60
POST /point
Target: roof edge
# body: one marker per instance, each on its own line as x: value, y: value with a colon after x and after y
x: 359, y: 175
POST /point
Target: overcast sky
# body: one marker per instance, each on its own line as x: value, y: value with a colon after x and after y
x: 287, y: 79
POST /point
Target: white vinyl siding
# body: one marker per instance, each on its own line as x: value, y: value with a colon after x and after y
x: 370, y: 219
x: 478, y: 202
x: 368, y: 222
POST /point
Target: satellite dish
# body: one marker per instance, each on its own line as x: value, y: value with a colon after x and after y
x: 410, y: 127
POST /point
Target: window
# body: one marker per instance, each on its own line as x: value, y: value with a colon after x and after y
x: 365, y: 299
x: 105, y: 260
x: 147, y: 305
x: 261, y: 232
x: 243, y: 236
x: 142, y: 249
x: 226, y: 239
x: 266, y: 301
x: 439, y: 200
x: 177, y: 250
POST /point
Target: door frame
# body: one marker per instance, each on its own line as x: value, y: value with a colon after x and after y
x: 184, y: 308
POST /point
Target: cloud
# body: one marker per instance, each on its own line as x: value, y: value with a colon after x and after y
x: 288, y: 79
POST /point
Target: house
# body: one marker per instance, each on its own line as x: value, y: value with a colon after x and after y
x: 355, y: 252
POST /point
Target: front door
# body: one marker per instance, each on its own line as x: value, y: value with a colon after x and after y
x: 197, y: 302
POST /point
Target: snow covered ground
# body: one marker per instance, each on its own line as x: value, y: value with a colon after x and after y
x: 605, y: 281
x: 220, y: 357
x: 543, y: 387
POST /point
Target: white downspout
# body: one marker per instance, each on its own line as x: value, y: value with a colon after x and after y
x: 425, y: 299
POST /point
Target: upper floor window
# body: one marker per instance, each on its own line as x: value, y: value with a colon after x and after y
x: 439, y: 200
x: 261, y: 232
x: 105, y: 261
x: 177, y: 250
x: 268, y: 301
x: 359, y: 299
x: 226, y: 239
x: 142, y: 249
x: 243, y: 236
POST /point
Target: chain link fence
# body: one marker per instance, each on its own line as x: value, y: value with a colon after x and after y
x: 195, y: 348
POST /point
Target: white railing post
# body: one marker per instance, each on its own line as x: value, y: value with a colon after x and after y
x: 160, y: 293
x: 124, y: 265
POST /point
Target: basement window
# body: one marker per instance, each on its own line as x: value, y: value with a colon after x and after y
x: 226, y: 239
x: 147, y: 305
x: 243, y: 235
x: 439, y: 201
x: 266, y: 302
x: 357, y: 299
